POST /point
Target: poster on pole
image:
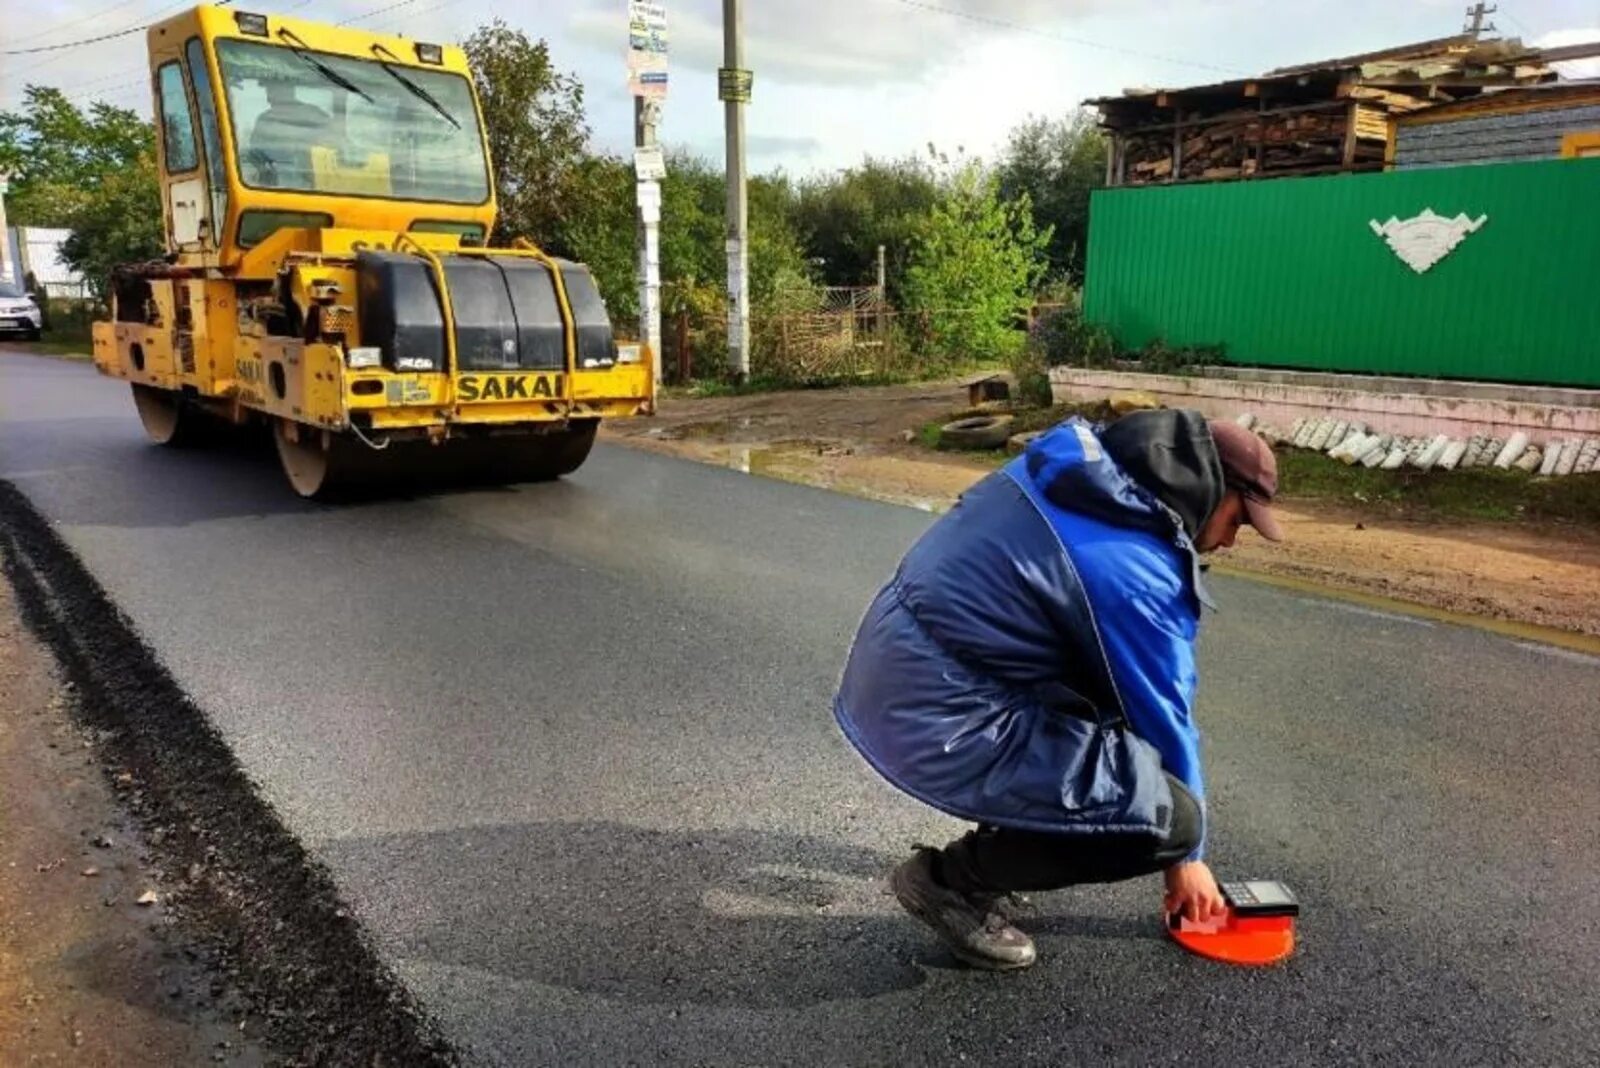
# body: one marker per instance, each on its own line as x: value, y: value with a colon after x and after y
x: 649, y: 163
x: 647, y: 49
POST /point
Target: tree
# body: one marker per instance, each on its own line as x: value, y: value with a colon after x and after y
x: 843, y: 218
x: 58, y: 154
x: 119, y: 223
x: 599, y: 231
x: 537, y: 134
x: 974, y: 267
x: 92, y: 172
x: 1056, y: 163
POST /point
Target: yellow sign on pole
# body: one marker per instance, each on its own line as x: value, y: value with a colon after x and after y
x: 733, y: 86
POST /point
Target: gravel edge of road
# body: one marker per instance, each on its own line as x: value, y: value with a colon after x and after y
x: 249, y: 890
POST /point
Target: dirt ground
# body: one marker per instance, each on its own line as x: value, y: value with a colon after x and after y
x: 88, y: 974
x: 861, y: 441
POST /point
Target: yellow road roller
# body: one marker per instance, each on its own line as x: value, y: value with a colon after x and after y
x: 327, y: 200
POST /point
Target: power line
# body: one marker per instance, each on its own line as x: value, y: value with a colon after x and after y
x: 80, y: 20
x: 58, y: 53
x: 1523, y: 26
x: 394, y: 7
x: 124, y: 74
x: 104, y: 36
x: 989, y: 20
x: 376, y: 12
x: 83, y: 91
x: 74, y: 44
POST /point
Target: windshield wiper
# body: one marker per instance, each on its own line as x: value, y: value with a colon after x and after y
x: 322, y: 68
x: 416, y: 90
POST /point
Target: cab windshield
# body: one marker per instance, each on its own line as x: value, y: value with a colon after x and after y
x: 320, y: 123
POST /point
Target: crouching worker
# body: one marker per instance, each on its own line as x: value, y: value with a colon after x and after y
x: 1031, y: 668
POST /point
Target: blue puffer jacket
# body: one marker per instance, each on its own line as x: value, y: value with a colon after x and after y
x: 1059, y: 591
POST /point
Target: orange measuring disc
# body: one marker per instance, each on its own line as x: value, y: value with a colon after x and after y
x: 1235, y: 939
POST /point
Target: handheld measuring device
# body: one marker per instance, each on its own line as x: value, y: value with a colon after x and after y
x: 1257, y: 928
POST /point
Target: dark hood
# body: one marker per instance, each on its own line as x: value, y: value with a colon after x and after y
x: 1141, y: 471
x: 1171, y: 454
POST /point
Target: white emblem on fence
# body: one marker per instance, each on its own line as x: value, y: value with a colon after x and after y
x: 1423, y: 240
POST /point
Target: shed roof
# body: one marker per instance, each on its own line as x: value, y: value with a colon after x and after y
x: 1444, y: 66
x: 1524, y: 98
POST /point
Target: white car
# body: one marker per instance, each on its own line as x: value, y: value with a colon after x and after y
x: 18, y: 312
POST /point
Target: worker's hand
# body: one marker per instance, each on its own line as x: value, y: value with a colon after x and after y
x: 1192, y: 891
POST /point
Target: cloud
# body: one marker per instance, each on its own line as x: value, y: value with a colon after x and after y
x: 780, y: 147
x: 834, y: 42
x: 778, y: 143
x: 1576, y: 68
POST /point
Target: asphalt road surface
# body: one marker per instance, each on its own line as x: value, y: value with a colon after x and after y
x: 568, y: 754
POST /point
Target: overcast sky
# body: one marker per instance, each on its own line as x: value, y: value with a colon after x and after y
x: 835, y: 79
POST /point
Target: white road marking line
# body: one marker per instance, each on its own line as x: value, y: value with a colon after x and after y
x: 1371, y: 613
x: 1560, y: 653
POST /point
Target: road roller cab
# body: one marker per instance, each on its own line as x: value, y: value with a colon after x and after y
x: 327, y: 202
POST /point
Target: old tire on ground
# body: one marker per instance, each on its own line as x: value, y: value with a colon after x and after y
x: 977, y: 432
x: 168, y: 418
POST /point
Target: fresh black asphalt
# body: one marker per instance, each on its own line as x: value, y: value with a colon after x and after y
x: 566, y: 752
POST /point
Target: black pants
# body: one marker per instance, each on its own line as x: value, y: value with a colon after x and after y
x: 998, y: 859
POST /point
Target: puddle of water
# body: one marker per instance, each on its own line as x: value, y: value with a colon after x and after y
x: 716, y: 428
x: 796, y: 461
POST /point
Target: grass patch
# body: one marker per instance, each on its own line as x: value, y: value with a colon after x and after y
x: 72, y: 344
x: 722, y: 387
x: 66, y: 350
x: 1476, y: 494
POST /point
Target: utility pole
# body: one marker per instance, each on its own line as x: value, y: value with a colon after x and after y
x: 883, y: 295
x: 646, y: 116
x: 733, y: 86
x: 1475, y: 15
x: 5, y: 234
x: 647, y: 81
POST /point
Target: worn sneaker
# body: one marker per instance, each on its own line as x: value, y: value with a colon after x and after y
x: 975, y: 931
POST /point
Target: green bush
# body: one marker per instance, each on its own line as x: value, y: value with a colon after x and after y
x: 1033, y: 377
x: 1063, y: 338
x: 1158, y: 358
x: 975, y: 265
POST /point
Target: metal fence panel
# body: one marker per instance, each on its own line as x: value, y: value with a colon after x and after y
x: 1290, y: 273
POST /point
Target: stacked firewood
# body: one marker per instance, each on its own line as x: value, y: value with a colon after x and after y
x: 1244, y: 142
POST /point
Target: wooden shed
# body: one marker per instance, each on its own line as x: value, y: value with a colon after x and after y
x: 1315, y: 118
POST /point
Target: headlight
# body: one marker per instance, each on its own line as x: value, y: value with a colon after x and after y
x: 363, y: 357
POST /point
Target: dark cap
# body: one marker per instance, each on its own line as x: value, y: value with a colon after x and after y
x: 1249, y: 467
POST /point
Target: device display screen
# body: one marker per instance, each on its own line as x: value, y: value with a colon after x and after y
x: 1261, y: 897
x: 1270, y: 893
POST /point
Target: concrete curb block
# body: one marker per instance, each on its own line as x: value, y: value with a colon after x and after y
x: 1588, y: 457
x: 1516, y: 445
x: 1552, y: 456
x: 1354, y: 442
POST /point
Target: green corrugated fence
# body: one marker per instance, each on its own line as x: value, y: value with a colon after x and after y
x: 1289, y: 273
